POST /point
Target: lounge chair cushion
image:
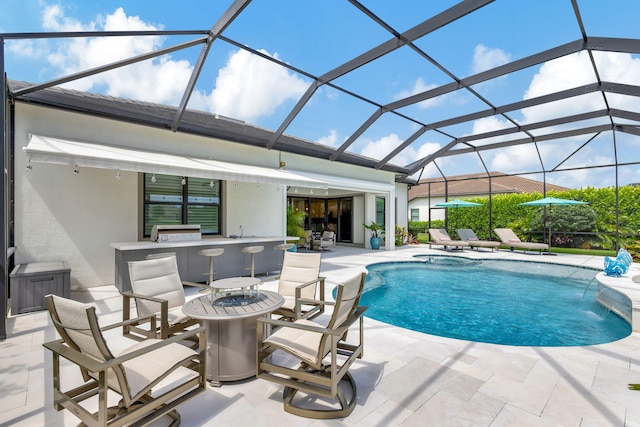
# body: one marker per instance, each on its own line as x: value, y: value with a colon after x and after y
x: 509, y: 238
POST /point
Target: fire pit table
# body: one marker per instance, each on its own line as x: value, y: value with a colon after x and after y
x: 230, y: 320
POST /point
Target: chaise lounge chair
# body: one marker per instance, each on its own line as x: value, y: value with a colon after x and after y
x: 439, y: 236
x: 509, y: 238
x: 469, y: 236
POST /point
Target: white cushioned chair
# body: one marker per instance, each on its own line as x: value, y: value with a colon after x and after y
x: 322, y: 356
x: 328, y: 238
x: 156, y: 289
x: 151, y: 377
x: 299, y: 278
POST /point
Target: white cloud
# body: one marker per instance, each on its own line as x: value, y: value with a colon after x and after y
x: 418, y: 87
x: 556, y: 75
x: 246, y: 88
x: 485, y: 58
x: 380, y: 148
x: 32, y: 49
x: 330, y: 140
x: 249, y: 87
x: 488, y: 124
x: 160, y: 80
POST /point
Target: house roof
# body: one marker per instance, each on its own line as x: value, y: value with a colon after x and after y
x: 478, y: 185
x: 193, y: 122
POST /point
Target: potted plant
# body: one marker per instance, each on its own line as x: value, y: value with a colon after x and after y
x: 295, y: 225
x: 377, y: 231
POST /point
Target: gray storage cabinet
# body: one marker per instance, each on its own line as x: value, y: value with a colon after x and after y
x: 31, y: 282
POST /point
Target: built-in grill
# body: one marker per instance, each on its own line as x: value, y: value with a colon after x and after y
x: 176, y: 233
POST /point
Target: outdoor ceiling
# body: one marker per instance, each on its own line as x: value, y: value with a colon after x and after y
x: 424, y: 88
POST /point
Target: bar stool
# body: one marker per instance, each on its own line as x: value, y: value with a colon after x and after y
x: 160, y: 255
x: 211, y: 253
x: 252, y: 250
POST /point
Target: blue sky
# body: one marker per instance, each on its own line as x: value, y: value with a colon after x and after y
x: 319, y: 37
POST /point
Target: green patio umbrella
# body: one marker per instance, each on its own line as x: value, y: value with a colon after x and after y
x: 552, y: 201
x: 457, y: 203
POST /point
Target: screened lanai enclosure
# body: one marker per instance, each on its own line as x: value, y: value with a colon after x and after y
x: 424, y: 89
x: 545, y: 89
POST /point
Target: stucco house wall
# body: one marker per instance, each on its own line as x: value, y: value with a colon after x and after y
x: 60, y: 215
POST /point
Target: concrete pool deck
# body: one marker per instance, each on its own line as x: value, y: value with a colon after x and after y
x: 405, y: 378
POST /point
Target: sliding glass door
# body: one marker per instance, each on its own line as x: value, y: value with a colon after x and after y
x: 332, y: 214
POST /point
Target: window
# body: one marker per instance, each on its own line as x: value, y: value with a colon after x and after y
x: 168, y: 201
x: 415, y: 215
x: 380, y: 205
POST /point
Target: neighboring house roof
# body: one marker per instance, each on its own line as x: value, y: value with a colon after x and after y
x: 478, y: 185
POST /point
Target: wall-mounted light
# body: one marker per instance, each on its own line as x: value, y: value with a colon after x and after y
x: 29, y: 167
x: 184, y: 180
x: 153, y: 177
x: 212, y: 184
x: 76, y: 171
x: 118, y: 174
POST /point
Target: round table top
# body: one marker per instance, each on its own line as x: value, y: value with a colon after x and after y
x: 235, y: 282
x: 202, y: 308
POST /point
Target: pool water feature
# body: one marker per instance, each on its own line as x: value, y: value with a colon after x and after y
x: 516, y: 303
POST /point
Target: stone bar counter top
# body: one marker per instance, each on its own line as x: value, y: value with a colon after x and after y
x: 194, y: 267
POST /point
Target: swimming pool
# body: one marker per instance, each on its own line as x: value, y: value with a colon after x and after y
x: 517, y: 303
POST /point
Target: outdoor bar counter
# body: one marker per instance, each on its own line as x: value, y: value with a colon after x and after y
x: 194, y: 267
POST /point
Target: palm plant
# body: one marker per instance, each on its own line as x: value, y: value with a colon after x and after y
x: 295, y: 222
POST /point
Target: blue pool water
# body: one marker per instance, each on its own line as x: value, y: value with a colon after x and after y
x: 502, y: 302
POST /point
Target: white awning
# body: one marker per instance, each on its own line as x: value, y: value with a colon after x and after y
x: 352, y: 184
x: 83, y: 154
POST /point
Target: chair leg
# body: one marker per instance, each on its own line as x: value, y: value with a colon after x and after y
x: 346, y: 405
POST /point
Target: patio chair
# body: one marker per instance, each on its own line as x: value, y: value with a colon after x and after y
x: 439, y: 236
x: 328, y: 238
x: 299, y: 278
x: 469, y: 236
x: 509, y: 238
x: 156, y: 289
x: 151, y: 378
x: 307, y: 240
x: 311, y: 344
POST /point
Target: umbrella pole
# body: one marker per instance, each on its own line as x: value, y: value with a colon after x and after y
x: 549, y: 250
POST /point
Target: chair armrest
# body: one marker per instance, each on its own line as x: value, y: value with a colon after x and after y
x: 164, y: 310
x: 298, y: 293
x: 196, y: 284
x: 135, y: 321
x: 318, y: 303
x: 93, y: 365
x: 315, y: 301
x: 145, y: 297
x: 309, y: 283
x: 319, y: 329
